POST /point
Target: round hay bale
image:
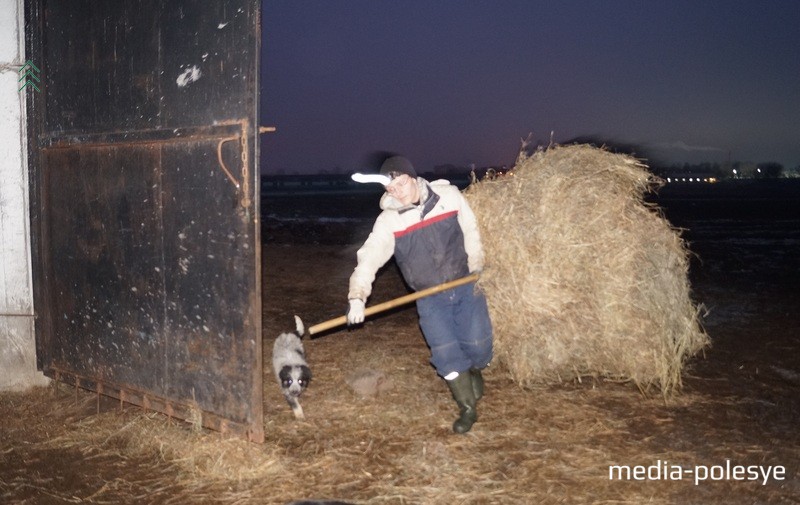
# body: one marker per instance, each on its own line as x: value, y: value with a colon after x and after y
x: 584, y: 278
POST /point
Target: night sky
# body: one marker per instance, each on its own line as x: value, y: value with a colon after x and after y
x: 461, y: 82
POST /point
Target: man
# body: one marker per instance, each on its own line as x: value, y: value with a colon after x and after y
x: 431, y: 231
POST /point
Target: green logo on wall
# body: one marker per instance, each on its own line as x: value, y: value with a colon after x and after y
x: 29, y: 71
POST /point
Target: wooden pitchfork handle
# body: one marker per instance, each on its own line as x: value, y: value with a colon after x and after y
x: 341, y: 320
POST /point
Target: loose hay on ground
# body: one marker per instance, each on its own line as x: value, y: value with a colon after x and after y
x: 547, y: 445
x: 583, y: 278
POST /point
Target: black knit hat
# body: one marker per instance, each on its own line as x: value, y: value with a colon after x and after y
x: 397, y: 165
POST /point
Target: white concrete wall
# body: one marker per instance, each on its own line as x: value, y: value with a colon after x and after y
x: 17, y: 344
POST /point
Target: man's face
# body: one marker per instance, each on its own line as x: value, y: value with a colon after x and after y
x: 404, y: 189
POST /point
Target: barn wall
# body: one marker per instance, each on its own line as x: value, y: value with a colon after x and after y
x: 17, y: 344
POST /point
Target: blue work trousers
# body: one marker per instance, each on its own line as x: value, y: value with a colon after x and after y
x: 457, y: 328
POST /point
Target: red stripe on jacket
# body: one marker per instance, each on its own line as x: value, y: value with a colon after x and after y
x: 424, y: 223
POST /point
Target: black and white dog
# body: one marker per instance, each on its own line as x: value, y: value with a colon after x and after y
x: 291, y: 368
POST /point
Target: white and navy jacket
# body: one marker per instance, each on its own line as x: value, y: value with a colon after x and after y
x: 433, y: 242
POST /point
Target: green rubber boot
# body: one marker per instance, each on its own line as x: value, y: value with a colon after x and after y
x: 464, y: 395
x: 477, y: 382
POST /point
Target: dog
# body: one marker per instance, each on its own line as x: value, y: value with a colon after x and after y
x: 290, y: 366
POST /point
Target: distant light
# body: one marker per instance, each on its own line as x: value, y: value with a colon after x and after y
x: 669, y: 180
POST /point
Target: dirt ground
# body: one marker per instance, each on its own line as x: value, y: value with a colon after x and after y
x: 740, y: 406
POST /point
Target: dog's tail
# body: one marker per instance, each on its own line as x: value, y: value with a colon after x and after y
x: 301, y: 330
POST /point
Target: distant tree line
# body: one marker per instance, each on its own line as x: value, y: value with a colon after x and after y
x: 728, y: 170
x: 721, y: 171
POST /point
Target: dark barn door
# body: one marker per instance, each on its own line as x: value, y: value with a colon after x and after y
x: 143, y: 148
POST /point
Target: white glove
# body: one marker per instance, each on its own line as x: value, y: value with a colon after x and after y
x: 355, y: 312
